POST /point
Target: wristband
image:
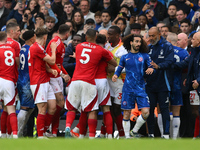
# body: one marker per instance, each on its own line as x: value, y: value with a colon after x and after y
x: 61, y: 73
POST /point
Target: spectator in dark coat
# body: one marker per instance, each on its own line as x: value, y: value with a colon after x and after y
x: 4, y: 13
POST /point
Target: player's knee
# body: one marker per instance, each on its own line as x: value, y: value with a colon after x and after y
x: 145, y: 113
x: 127, y: 114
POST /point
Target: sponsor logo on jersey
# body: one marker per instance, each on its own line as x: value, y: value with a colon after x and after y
x: 140, y: 59
x: 127, y: 59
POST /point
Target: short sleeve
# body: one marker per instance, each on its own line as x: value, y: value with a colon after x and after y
x: 106, y: 55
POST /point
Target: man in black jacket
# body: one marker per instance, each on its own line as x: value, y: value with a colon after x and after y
x: 69, y: 61
x: 4, y: 12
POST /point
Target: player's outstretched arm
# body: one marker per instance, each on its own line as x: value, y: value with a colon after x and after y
x: 51, y: 59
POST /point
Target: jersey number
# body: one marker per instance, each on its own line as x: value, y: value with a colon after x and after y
x: 83, y: 54
x: 9, y: 61
x: 177, y: 58
x: 23, y: 61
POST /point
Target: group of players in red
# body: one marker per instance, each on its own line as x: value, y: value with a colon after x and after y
x: 88, y: 88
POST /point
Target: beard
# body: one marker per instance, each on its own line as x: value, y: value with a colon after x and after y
x: 155, y: 42
x: 136, y: 48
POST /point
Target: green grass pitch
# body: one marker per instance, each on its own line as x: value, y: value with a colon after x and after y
x: 99, y: 144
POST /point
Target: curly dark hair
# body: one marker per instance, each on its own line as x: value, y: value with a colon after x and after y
x: 127, y: 39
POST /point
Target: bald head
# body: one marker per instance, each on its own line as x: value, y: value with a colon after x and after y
x: 154, y: 29
x: 182, y: 40
x: 104, y: 32
x: 196, y: 40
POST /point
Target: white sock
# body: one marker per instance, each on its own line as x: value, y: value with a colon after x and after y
x: 139, y: 122
x: 76, y: 130
x: 126, y: 126
x: 109, y: 136
x: 176, y: 124
x: 21, y: 118
x: 160, y: 124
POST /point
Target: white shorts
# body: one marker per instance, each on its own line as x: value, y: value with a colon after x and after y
x: 194, y: 98
x: 44, y: 93
x: 82, y: 94
x: 116, y: 90
x: 56, y: 84
x: 7, y: 92
x: 103, y: 92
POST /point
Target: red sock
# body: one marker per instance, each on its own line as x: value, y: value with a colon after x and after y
x: 78, y: 125
x: 118, y: 121
x: 4, y: 116
x: 48, y: 121
x: 83, y: 123
x: 56, y: 119
x: 108, y: 122
x: 70, y: 118
x: 40, y: 124
x: 9, y: 129
x: 92, y: 124
x: 196, y: 129
x: 103, y: 128
x: 13, y: 123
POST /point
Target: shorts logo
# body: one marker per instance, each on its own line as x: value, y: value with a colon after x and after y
x: 140, y: 59
x: 42, y: 97
x: 124, y: 103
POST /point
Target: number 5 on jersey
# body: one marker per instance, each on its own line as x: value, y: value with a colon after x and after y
x: 84, y: 54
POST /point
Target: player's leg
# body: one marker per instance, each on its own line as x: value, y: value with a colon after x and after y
x: 108, y: 121
x: 92, y: 123
x: 57, y: 85
x: 4, y: 116
x: 143, y: 105
x: 105, y: 102
x: 51, y: 106
x: 176, y: 120
x: 116, y: 93
x: 126, y: 123
x: 13, y: 120
x: 42, y: 108
x: 163, y: 100
x: 83, y: 124
x: 72, y: 104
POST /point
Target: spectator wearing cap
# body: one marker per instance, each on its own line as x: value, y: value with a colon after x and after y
x: 85, y: 9
x: 8, y: 4
x: 4, y: 12
x: 89, y: 24
x: 39, y: 19
x: 17, y: 11
x: 106, y: 20
x: 27, y: 22
x: 98, y: 20
x: 110, y: 5
x: 50, y: 26
x: 135, y: 28
x: 171, y: 20
x: 130, y: 4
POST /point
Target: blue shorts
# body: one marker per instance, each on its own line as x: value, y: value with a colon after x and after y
x: 176, y: 98
x: 129, y: 98
x: 25, y: 95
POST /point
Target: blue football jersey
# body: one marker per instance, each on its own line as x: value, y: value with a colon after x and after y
x: 23, y: 69
x: 179, y: 55
x: 135, y: 65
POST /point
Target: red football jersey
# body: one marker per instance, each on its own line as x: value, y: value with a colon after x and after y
x: 37, y: 67
x: 60, y: 52
x: 17, y: 47
x: 88, y: 56
x: 101, y: 71
x: 7, y: 61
